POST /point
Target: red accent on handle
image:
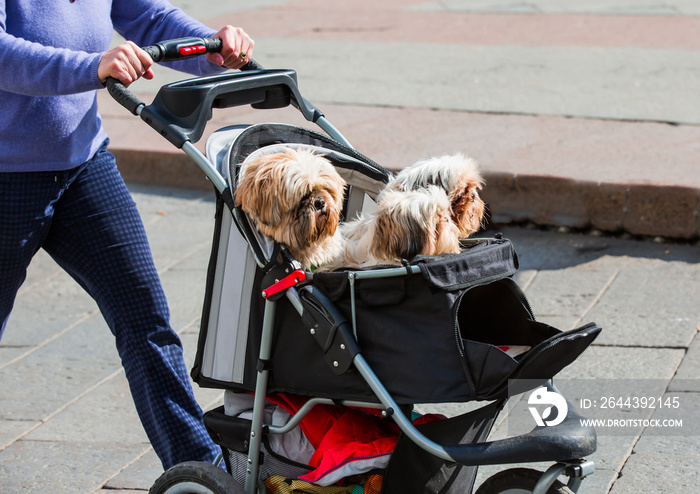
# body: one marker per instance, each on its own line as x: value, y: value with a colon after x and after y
x: 290, y: 280
x: 189, y: 50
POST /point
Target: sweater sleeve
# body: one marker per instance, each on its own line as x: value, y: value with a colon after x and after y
x: 33, y: 69
x: 146, y: 22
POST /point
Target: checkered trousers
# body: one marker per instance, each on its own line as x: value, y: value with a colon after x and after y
x: 87, y: 221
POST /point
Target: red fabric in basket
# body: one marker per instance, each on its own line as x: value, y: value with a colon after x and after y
x: 342, y: 435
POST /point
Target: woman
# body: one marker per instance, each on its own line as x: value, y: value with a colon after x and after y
x: 60, y: 189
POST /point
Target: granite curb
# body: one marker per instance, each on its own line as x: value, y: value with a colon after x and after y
x: 640, y: 209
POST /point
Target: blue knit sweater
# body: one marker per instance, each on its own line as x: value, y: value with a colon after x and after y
x: 49, y: 54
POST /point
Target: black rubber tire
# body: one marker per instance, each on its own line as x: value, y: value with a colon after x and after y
x: 518, y: 481
x: 196, y: 477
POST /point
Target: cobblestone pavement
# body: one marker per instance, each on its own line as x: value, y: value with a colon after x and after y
x: 67, y: 423
x: 583, y: 117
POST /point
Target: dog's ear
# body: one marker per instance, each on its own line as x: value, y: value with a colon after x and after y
x: 257, y: 193
x: 400, y: 237
x: 462, y: 195
x: 465, y: 202
x: 335, y: 184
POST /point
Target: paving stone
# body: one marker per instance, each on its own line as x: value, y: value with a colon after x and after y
x: 9, y: 353
x: 561, y: 298
x: 40, y: 314
x: 677, y: 415
x: 687, y: 377
x: 649, y: 319
x: 138, y: 475
x: 45, y: 380
x: 184, y: 286
x: 177, y: 234
x: 33, y: 467
x: 11, y: 430
x: 616, y: 7
x: 41, y: 269
x: 661, y: 465
x: 592, y: 81
x: 602, y: 362
x: 105, y: 415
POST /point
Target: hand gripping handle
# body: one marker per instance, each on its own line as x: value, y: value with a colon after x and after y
x: 169, y: 51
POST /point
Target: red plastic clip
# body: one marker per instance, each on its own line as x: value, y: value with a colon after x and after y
x: 189, y: 50
x: 296, y: 277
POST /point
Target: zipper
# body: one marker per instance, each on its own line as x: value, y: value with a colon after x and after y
x: 520, y: 296
x: 460, y: 346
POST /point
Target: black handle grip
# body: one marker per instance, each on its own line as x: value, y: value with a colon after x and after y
x: 154, y: 52
x: 252, y: 65
x: 122, y: 95
x: 182, y: 48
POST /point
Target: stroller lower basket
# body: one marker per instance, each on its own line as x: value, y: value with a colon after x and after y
x: 232, y: 434
x: 427, y: 473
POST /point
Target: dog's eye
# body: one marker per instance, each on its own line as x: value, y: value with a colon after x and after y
x: 319, y: 204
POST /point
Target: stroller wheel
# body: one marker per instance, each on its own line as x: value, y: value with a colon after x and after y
x: 196, y: 477
x: 518, y: 481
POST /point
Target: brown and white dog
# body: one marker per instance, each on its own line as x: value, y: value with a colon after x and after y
x: 424, y: 210
x: 295, y: 196
x: 404, y: 225
x: 461, y: 180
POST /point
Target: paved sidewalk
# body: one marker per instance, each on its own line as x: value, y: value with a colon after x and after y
x: 582, y: 115
x: 68, y: 425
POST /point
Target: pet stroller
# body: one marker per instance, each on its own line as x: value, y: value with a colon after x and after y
x: 378, y: 340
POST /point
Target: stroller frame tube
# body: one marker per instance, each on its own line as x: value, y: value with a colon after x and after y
x: 371, y: 378
x: 548, y: 478
x: 259, y: 401
x: 396, y: 414
x: 207, y: 167
x: 327, y: 127
x: 299, y: 416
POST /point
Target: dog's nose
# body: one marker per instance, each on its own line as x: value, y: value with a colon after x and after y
x: 319, y: 204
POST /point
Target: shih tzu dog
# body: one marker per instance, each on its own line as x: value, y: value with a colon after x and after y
x: 404, y: 225
x: 424, y: 210
x: 458, y: 176
x: 295, y: 197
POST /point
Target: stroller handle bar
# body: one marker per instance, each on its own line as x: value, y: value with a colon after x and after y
x: 181, y: 110
x: 182, y: 48
x: 169, y: 51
